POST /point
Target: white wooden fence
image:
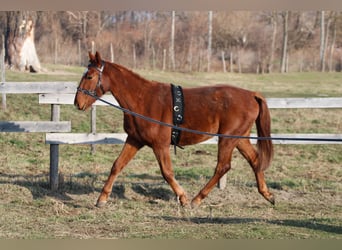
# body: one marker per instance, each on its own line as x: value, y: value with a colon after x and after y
x: 59, y: 132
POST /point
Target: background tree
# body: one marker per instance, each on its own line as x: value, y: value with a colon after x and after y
x: 285, y: 18
x: 20, y: 51
x: 172, y: 41
x: 251, y: 41
x: 210, y: 31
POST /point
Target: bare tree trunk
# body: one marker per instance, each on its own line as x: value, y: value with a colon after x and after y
x: 326, y: 41
x: 223, y: 62
x: 134, y: 57
x: 19, y: 42
x: 274, y: 35
x: 147, y: 44
x: 210, y: 24
x: 79, y: 52
x: 239, y: 61
x: 111, y: 53
x: 285, y: 16
x: 332, y: 47
x: 301, y: 62
x: 56, y: 50
x: 93, y: 50
x: 172, y: 44
x: 322, y: 43
x: 200, y: 61
x: 84, y: 23
x: 153, y: 58
x: 190, y: 54
x: 164, y: 59
x: 231, y: 61
x: 93, y: 112
x: 3, y: 76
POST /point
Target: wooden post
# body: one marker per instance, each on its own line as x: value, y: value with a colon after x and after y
x: 54, y: 151
x: 222, y: 182
x: 93, y: 126
x: 93, y: 112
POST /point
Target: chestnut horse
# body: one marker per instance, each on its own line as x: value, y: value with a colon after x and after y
x: 221, y: 109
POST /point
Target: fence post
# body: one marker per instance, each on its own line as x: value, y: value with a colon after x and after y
x: 54, y: 151
x: 222, y: 182
x: 93, y: 112
x: 93, y: 126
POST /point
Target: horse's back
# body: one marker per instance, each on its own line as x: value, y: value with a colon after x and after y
x: 218, y: 109
x: 212, y: 100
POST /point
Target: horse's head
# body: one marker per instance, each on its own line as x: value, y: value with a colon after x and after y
x: 91, y: 84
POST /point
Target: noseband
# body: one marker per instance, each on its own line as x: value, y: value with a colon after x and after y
x: 98, y: 84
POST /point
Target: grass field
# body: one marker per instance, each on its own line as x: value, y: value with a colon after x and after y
x: 306, y: 179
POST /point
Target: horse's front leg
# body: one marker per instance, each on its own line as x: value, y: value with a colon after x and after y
x: 163, y: 157
x: 127, y: 153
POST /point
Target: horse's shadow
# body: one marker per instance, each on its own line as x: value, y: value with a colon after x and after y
x: 312, y: 224
x: 38, y: 186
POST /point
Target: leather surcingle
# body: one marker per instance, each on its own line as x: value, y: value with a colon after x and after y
x: 178, y: 113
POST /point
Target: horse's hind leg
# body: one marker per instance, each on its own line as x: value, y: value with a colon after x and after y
x: 225, y: 150
x: 129, y: 150
x: 251, y: 155
x: 163, y: 157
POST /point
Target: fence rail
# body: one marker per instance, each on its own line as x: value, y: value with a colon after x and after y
x: 35, y: 126
x: 119, y: 138
x: 58, y: 132
x: 37, y: 87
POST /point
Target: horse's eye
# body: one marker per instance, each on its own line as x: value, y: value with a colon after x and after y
x: 89, y: 77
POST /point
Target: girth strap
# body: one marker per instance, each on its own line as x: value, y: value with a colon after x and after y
x: 178, y: 113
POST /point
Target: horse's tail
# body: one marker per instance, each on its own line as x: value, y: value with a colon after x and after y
x: 263, y: 125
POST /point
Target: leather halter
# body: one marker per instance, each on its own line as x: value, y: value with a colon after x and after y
x: 98, y: 84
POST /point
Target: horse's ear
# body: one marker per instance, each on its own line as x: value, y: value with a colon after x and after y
x: 91, y: 57
x: 98, y: 58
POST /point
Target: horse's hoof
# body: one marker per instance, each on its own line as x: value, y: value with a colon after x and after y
x: 101, y: 204
x: 271, y: 200
x: 195, y: 204
x: 183, y: 201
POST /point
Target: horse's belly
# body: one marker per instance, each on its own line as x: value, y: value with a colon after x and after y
x: 187, y: 138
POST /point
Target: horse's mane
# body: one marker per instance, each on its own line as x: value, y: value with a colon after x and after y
x: 123, y: 69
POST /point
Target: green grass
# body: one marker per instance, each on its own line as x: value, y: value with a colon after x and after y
x: 306, y: 179
x: 309, y: 84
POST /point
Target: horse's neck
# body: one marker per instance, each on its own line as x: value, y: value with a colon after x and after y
x: 128, y: 88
